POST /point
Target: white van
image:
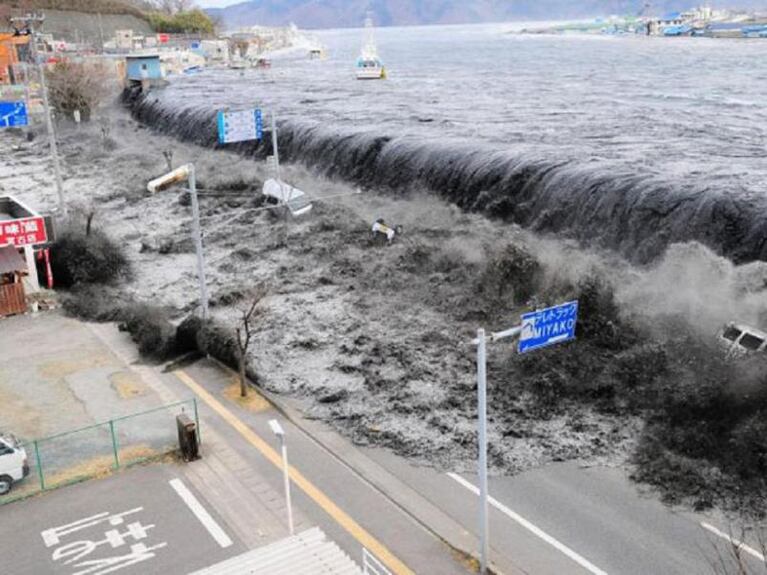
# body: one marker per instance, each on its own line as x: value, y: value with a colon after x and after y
x: 742, y: 339
x: 13, y: 462
x: 278, y: 192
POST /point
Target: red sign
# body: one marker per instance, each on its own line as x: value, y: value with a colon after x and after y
x: 163, y: 38
x: 23, y: 232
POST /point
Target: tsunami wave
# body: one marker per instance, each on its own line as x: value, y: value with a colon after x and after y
x: 633, y: 214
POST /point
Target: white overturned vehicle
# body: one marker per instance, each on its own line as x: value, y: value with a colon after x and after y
x: 740, y: 340
x: 278, y: 192
x: 13, y: 462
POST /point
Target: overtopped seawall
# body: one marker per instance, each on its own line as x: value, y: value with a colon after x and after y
x: 633, y: 214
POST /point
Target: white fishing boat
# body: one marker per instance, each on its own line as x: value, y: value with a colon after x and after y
x: 369, y: 65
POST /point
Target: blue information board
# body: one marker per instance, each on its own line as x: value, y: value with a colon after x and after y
x: 239, y: 126
x: 545, y: 327
x: 13, y: 114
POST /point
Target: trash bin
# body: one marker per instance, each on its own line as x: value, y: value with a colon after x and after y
x: 187, y: 438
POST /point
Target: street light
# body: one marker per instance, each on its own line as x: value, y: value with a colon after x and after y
x: 540, y: 328
x: 186, y: 172
x: 481, y: 343
x: 280, y: 433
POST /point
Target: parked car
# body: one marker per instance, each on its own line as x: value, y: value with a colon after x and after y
x: 13, y: 462
x: 741, y: 339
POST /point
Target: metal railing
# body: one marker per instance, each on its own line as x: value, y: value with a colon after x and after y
x: 371, y: 565
x: 99, y: 449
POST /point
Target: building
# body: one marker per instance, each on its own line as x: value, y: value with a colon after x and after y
x: 13, y: 49
x: 124, y: 40
x: 658, y: 26
x: 215, y: 51
x: 143, y: 69
x: 180, y: 61
x: 13, y: 268
x: 21, y: 229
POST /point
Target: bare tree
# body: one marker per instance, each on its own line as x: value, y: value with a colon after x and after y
x: 244, y: 333
x: 173, y: 6
x: 80, y: 86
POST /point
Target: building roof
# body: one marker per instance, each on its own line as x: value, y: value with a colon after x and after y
x: 11, y: 261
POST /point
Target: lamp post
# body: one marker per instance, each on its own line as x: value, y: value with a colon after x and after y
x: 280, y: 433
x: 541, y: 328
x: 484, y: 528
x: 186, y: 172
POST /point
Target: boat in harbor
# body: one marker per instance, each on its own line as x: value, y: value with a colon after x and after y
x: 369, y: 65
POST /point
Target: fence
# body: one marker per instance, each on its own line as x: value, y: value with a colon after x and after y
x: 99, y: 449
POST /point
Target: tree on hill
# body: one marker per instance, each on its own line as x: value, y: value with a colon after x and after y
x: 192, y: 21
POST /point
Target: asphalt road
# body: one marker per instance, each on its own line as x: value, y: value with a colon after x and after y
x: 565, y: 518
x: 140, y: 521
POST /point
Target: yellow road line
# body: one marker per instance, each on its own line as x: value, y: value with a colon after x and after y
x: 344, y: 520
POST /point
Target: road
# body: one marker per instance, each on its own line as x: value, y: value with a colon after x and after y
x: 564, y: 518
x: 143, y: 521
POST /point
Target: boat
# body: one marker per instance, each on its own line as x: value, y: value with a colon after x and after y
x: 369, y: 65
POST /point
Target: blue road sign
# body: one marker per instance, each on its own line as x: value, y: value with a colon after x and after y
x: 239, y: 126
x: 548, y: 326
x: 13, y: 114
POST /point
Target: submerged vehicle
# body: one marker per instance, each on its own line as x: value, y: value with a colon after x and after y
x: 13, y: 462
x: 369, y: 65
x: 278, y: 192
x: 741, y: 339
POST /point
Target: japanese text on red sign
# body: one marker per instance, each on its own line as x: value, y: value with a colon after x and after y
x: 23, y: 232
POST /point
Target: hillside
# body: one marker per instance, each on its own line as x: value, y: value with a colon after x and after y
x: 120, y: 7
x: 351, y: 13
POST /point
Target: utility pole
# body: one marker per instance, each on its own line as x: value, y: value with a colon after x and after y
x: 187, y: 172
x: 286, y: 201
x: 30, y: 20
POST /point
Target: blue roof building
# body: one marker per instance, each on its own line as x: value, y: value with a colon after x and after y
x: 143, y: 67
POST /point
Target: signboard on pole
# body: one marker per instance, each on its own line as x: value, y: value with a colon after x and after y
x: 545, y: 327
x: 13, y: 114
x: 240, y: 126
x: 23, y: 232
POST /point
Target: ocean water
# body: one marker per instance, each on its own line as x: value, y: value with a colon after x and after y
x: 629, y: 143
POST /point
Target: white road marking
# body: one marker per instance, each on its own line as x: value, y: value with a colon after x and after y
x: 739, y: 544
x: 201, y: 513
x: 585, y: 563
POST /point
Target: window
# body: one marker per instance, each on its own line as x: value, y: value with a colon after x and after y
x: 751, y: 342
x: 731, y: 333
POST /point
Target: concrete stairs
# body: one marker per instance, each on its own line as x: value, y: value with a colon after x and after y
x: 307, y: 553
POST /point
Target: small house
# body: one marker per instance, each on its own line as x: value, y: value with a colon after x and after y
x: 143, y: 68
